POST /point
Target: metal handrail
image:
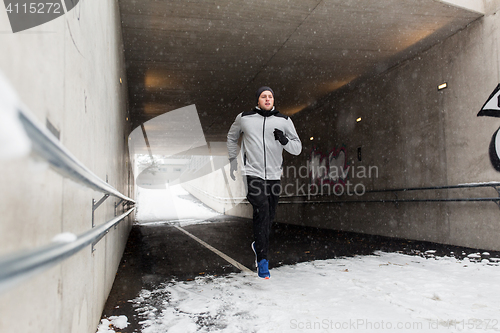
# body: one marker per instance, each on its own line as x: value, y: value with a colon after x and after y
x: 443, y: 187
x: 18, y: 267
x: 495, y: 185
x: 45, y: 145
x: 496, y: 200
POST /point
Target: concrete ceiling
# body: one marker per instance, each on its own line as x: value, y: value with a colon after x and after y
x: 215, y: 54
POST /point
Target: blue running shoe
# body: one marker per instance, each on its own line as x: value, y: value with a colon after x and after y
x: 263, y: 269
x: 253, y: 249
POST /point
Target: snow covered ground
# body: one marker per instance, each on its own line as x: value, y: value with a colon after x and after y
x: 381, y: 292
x: 170, y: 204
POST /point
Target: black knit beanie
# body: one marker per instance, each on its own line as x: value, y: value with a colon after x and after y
x: 261, y: 90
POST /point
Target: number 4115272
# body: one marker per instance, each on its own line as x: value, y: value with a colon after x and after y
x: 35, y: 8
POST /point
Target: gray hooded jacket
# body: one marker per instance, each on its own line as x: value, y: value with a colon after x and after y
x: 262, y: 154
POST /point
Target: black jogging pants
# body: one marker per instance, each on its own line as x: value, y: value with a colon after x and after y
x: 263, y: 195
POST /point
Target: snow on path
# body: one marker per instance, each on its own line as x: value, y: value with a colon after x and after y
x: 110, y: 324
x: 382, y: 292
x: 170, y: 204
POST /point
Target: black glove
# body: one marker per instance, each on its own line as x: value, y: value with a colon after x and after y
x: 234, y: 167
x: 278, y: 135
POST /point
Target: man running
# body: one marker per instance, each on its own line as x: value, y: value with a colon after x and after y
x: 266, y: 132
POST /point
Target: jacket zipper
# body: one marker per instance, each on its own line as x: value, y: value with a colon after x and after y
x: 264, y: 143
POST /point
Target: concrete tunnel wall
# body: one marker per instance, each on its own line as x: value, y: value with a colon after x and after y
x: 413, y: 134
x: 67, y: 72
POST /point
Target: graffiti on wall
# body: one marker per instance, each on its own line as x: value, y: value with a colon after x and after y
x: 492, y: 109
x: 328, y: 168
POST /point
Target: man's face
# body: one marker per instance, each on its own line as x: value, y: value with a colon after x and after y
x: 266, y: 100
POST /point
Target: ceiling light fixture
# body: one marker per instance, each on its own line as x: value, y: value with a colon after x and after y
x: 443, y: 86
